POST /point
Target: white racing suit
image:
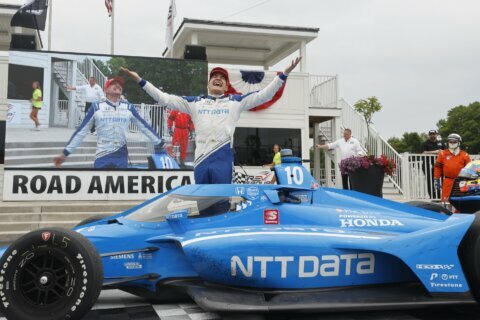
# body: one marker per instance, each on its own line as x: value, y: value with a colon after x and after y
x: 111, y: 122
x: 215, y: 120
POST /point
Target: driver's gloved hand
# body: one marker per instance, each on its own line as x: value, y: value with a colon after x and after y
x: 437, y: 183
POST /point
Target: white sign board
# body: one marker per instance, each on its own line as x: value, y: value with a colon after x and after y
x: 73, y: 185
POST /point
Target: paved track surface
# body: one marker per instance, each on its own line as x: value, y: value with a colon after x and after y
x: 118, y: 305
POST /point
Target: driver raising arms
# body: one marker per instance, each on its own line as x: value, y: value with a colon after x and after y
x: 215, y: 117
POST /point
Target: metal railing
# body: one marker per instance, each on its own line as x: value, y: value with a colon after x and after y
x: 155, y: 115
x: 371, y: 140
x: 418, y: 176
x: 323, y: 177
x: 323, y: 91
x: 88, y: 69
x: 61, y: 113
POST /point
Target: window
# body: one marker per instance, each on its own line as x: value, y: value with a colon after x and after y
x: 253, y: 146
x: 20, y: 80
x: 195, y: 206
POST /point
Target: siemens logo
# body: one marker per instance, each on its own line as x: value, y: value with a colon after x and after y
x: 307, y: 266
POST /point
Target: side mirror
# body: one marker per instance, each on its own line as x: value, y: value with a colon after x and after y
x: 178, y: 221
x: 272, y: 195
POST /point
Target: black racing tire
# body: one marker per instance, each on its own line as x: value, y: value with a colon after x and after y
x: 50, y: 274
x: 92, y: 219
x: 430, y: 206
x: 469, y: 253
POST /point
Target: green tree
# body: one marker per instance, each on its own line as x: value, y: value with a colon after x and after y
x: 465, y: 121
x: 367, y: 108
x: 180, y: 77
x: 410, y: 142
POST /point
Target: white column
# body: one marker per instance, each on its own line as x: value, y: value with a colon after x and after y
x: 336, y: 128
x: 316, y: 152
x: 72, y: 104
x: 303, y: 54
x: 54, y: 94
x: 405, y: 175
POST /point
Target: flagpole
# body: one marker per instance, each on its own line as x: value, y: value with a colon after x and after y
x: 112, y: 42
x: 50, y: 25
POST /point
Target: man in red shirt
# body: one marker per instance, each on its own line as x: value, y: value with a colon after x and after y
x: 183, y: 131
x: 449, y: 163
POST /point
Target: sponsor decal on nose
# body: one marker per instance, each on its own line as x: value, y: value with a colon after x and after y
x: 271, y: 216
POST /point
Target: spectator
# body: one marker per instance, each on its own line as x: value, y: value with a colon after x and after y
x: 215, y: 117
x: 449, y: 163
x: 37, y: 103
x: 277, y: 158
x: 431, y: 146
x: 113, y: 117
x: 93, y: 94
x: 349, y: 147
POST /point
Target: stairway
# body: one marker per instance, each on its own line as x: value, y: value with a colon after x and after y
x: 391, y: 192
x: 60, y: 71
x: 17, y: 219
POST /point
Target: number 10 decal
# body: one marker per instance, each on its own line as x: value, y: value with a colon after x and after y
x: 294, y: 175
x: 166, y: 162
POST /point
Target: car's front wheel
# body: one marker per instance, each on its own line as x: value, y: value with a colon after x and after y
x: 50, y: 274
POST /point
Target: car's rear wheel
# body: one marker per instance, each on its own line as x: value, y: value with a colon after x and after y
x: 469, y: 252
x: 91, y: 219
x: 430, y: 206
x: 50, y: 274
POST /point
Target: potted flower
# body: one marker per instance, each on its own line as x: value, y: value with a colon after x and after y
x: 366, y: 173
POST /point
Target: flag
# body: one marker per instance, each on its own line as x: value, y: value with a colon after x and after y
x: 32, y: 15
x: 172, y: 12
x: 109, y: 6
x: 244, y: 82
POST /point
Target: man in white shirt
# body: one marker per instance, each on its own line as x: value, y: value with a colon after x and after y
x: 93, y: 94
x: 349, y: 147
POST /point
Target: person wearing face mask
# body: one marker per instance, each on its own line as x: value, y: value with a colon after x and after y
x: 449, y: 163
x: 215, y: 117
x: 112, y: 118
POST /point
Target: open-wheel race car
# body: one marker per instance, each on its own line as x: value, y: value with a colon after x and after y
x: 291, y: 247
x: 465, y: 195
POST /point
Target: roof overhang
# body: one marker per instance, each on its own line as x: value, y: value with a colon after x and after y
x: 240, y: 43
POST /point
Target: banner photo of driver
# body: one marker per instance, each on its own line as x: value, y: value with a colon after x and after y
x: 74, y: 111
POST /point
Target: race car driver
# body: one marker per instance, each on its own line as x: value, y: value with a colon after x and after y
x: 112, y: 118
x: 448, y: 164
x: 184, y: 129
x: 215, y: 117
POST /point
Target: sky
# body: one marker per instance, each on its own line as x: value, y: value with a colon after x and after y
x: 420, y: 58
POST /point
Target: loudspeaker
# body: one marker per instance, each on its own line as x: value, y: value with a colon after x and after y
x: 22, y: 41
x: 195, y: 53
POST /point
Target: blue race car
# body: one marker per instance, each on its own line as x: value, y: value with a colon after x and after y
x: 293, y: 247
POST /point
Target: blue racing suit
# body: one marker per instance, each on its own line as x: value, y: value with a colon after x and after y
x: 111, y: 122
x: 215, y: 119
